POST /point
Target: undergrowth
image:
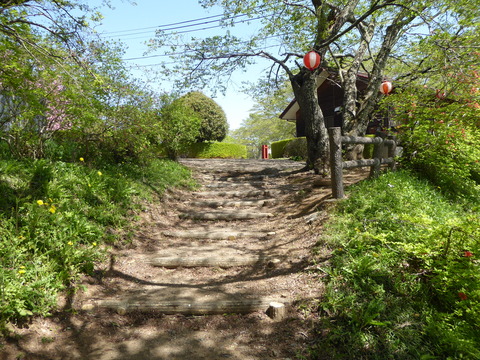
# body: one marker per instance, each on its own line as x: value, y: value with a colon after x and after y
x: 403, y: 279
x: 56, y: 217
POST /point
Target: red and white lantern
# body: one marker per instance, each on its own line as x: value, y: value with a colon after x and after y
x: 311, y: 60
x: 386, y: 87
x: 440, y: 94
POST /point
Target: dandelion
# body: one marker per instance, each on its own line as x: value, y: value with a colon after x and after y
x: 21, y: 271
x: 94, y: 244
x: 82, y: 159
x: 99, y: 173
x: 70, y: 243
x: 40, y: 202
x: 52, y: 209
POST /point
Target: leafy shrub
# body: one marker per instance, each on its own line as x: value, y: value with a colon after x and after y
x: 278, y: 148
x: 54, y: 221
x: 297, y: 149
x: 214, y: 126
x: 209, y: 150
x: 403, y: 280
x: 179, y: 126
x: 441, y: 141
x: 368, y: 149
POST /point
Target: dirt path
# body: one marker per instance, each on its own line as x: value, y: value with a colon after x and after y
x: 200, y: 274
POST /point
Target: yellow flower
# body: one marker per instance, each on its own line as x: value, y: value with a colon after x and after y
x: 70, y: 243
x: 81, y: 159
x: 52, y: 209
x: 94, y: 244
x: 40, y: 202
x: 99, y: 173
x: 21, y: 271
x: 22, y: 267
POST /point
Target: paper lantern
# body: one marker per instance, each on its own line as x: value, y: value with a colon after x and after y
x: 386, y: 87
x: 440, y: 94
x: 311, y: 60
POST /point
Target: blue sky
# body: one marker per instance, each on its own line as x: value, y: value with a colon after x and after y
x: 134, y: 25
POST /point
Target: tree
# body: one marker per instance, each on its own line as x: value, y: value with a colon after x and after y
x: 65, y: 22
x: 263, y: 126
x: 352, y: 35
x: 89, y: 105
x: 214, y: 125
x: 178, y: 125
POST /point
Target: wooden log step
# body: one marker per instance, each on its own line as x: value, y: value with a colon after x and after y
x: 222, y: 184
x: 238, y: 194
x: 216, y: 260
x: 219, y: 234
x: 232, y: 203
x: 250, y: 178
x: 228, y: 215
x: 155, y: 301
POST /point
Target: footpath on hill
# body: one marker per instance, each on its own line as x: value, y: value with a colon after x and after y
x: 217, y: 273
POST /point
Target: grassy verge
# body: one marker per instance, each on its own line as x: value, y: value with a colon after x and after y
x: 403, y: 280
x: 55, y: 217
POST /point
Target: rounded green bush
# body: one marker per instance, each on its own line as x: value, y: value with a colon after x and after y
x: 214, y: 126
x: 295, y: 147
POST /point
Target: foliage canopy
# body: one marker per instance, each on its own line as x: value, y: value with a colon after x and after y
x: 214, y: 126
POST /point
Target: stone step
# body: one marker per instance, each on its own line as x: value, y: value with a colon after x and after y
x: 229, y: 215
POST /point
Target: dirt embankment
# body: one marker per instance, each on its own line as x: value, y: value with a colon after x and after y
x: 200, y: 274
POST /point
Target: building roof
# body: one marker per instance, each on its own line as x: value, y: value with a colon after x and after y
x: 290, y: 112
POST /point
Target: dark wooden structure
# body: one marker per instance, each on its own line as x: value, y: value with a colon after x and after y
x: 330, y: 99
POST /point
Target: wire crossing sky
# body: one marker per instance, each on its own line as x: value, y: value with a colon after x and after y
x: 136, y: 25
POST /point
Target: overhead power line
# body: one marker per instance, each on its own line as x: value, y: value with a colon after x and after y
x: 185, y: 24
x: 192, y: 25
x: 165, y: 25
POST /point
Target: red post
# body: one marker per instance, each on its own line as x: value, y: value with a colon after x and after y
x: 264, y: 151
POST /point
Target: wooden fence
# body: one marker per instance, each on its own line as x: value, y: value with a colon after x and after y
x: 337, y: 164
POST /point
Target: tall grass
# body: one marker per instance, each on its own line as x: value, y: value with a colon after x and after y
x: 403, y: 278
x: 54, y: 218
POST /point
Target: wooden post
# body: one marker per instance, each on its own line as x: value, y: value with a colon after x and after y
x: 276, y: 311
x: 335, y: 137
x: 392, y: 149
x: 377, y: 155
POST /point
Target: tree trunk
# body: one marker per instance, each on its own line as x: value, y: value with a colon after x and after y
x: 305, y: 89
x: 350, y: 82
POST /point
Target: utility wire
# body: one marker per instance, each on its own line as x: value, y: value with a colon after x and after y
x: 166, y: 25
x: 191, y: 25
x: 180, y: 24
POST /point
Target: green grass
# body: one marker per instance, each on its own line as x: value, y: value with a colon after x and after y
x: 403, y: 278
x: 54, y: 222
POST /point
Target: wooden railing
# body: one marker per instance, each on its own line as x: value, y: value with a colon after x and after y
x: 337, y: 164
